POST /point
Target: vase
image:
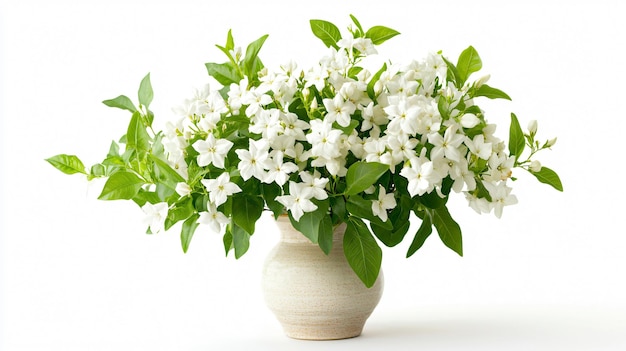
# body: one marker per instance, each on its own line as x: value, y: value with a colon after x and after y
x: 313, y: 295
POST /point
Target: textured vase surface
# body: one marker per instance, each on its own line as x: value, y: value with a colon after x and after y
x: 315, y: 296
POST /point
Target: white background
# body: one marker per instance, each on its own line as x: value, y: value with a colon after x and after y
x: 79, y: 274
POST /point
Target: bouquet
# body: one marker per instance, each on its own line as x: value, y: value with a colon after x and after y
x: 339, y: 142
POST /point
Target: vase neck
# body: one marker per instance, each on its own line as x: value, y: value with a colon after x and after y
x: 289, y: 234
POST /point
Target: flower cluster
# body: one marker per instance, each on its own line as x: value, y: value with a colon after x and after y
x: 327, y: 144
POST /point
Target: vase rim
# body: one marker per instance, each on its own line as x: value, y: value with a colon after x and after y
x: 291, y: 234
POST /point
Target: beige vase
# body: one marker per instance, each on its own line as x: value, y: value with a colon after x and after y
x: 315, y: 296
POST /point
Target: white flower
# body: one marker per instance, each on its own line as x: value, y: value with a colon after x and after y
x: 532, y: 127
x: 460, y: 173
x: 402, y: 148
x: 213, y: 106
x: 478, y: 147
x: 220, y: 188
x: 385, y: 202
x: 213, y: 218
x: 403, y: 116
x: 500, y: 166
x: 298, y: 201
x: 212, y: 151
x: 480, y: 205
x: 469, y: 120
x: 236, y: 94
x: 267, y: 124
x: 183, y: 189
x: 374, y: 149
x: 293, y: 126
x: 278, y: 170
x: 254, y: 162
x: 373, y: 116
x: 535, y: 166
x: 317, y: 77
x: 446, y: 145
x: 155, y: 215
x: 339, y: 110
x: 365, y: 46
x: 419, y: 176
x: 316, y: 183
x: 402, y: 86
x: 255, y: 99
x: 500, y: 196
x: 324, y: 139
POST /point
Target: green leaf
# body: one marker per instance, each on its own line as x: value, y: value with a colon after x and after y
x: 145, y: 93
x: 114, y: 149
x: 362, y: 175
x: 122, y: 102
x: 362, y: 251
x: 361, y: 208
x: 380, y: 34
x: 165, y: 174
x: 137, y: 137
x: 121, y: 185
x: 449, y: 231
x: 469, y: 62
x: 358, y: 25
x: 248, y: 211
x: 251, y: 62
x: 548, y: 176
x: 325, y: 235
x: 308, y: 225
x: 338, y: 208
x: 424, y: 231
x: 230, y: 42
x: 399, y: 217
x: 68, y: 164
x: 241, y: 241
x: 491, y: 93
x: 327, y: 32
x: 390, y: 237
x: 452, y: 75
x: 354, y: 71
x: 516, y: 138
x: 349, y: 128
x: 309, y: 222
x: 433, y: 200
x: 375, y: 78
x: 179, y: 211
x: 189, y: 227
x: 270, y: 192
x: 144, y: 196
x: 224, y: 73
x: 228, y: 241
x: 97, y: 170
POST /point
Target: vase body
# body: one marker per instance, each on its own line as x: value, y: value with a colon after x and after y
x: 313, y: 295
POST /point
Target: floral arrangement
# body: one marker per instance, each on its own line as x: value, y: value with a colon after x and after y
x: 334, y: 143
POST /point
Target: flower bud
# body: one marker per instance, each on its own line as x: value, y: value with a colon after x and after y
x: 532, y: 126
x: 378, y: 88
x: 551, y: 142
x: 469, y: 120
x: 183, y: 189
x: 482, y: 80
x: 535, y: 166
x: 314, y: 104
x: 370, y: 190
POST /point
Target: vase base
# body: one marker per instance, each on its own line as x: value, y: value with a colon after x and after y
x: 320, y: 333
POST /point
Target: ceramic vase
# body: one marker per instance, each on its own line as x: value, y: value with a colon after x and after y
x: 313, y: 295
